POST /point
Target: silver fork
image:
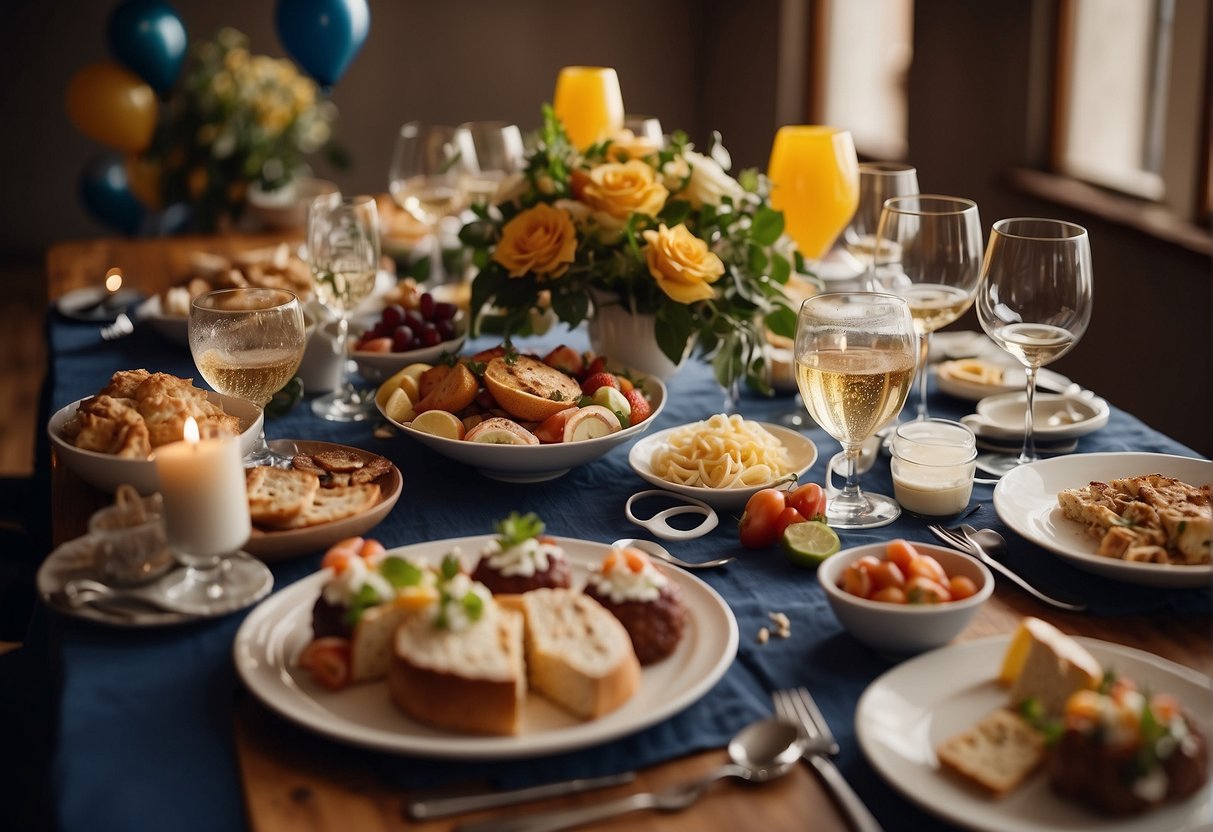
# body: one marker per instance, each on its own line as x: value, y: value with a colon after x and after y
x: 959, y: 540
x: 797, y: 705
x: 120, y: 328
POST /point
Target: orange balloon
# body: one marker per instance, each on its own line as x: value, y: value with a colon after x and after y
x: 143, y: 180
x: 113, y: 106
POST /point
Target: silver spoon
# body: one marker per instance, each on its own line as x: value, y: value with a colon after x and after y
x: 82, y: 592
x: 991, y: 547
x: 762, y: 751
x: 661, y: 553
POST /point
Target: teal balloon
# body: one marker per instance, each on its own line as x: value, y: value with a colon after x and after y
x: 104, y: 192
x: 323, y: 36
x: 149, y: 38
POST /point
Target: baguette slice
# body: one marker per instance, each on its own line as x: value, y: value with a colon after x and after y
x: 331, y: 504
x: 279, y: 495
x: 996, y: 754
x: 578, y: 655
x: 470, y: 680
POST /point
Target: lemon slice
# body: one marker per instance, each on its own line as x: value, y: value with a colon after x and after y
x: 439, y: 423
x: 809, y: 543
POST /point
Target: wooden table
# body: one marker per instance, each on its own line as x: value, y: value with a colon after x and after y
x: 288, y: 784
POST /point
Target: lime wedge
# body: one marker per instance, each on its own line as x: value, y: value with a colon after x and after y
x: 809, y: 543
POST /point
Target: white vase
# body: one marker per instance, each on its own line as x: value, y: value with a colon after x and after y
x: 629, y: 339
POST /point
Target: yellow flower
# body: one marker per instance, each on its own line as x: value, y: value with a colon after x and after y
x: 235, y: 59
x: 624, y: 189
x: 627, y: 145
x: 681, y: 263
x: 540, y: 240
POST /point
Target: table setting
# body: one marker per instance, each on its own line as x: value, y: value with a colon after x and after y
x: 854, y: 628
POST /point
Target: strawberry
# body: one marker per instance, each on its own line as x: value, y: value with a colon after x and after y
x: 565, y: 359
x: 641, y: 409
x: 599, y: 379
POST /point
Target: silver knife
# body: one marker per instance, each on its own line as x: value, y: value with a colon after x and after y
x: 441, y: 807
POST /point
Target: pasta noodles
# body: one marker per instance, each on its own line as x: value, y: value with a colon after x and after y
x: 721, y: 452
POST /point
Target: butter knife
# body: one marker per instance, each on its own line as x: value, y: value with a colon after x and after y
x: 425, y: 808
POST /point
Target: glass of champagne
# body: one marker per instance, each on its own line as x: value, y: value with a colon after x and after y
x: 928, y: 250
x: 878, y: 181
x: 343, y: 252
x: 428, y: 178
x: 588, y: 103
x: 854, y: 365
x: 248, y: 343
x: 815, y: 182
x: 498, y: 151
x: 1035, y: 302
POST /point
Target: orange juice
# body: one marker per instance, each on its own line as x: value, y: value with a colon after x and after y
x: 815, y: 182
x: 589, y: 104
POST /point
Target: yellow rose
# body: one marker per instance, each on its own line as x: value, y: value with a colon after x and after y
x: 540, y: 240
x: 627, y: 145
x: 623, y: 189
x: 681, y: 263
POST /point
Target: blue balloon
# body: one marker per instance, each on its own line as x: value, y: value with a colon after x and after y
x: 149, y: 38
x: 323, y: 36
x: 104, y: 191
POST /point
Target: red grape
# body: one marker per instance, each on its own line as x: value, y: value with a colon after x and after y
x: 392, y: 316
x: 444, y: 311
x: 426, y: 305
x: 402, y: 339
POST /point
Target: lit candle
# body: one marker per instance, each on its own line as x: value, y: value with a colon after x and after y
x: 205, y: 505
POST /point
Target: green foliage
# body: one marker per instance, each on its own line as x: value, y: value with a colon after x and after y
x: 518, y: 528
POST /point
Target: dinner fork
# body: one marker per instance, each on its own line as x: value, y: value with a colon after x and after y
x: 797, y: 705
x: 120, y: 328
x: 962, y: 540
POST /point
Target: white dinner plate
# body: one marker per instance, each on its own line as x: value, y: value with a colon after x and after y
x: 272, y: 636
x: 1000, y: 417
x: 907, y: 712
x: 91, y: 304
x: 802, y: 453
x: 1026, y: 500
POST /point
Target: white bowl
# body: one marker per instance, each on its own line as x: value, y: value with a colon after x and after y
x: 904, y: 628
x: 107, y: 472
x: 802, y: 453
x: 1001, y: 417
x: 378, y: 367
x: 535, y: 463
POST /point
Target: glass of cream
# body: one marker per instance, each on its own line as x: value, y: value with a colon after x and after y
x: 933, y: 466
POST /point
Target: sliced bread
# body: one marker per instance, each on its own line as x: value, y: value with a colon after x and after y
x: 373, y: 641
x: 278, y: 495
x: 332, y: 504
x: 997, y: 753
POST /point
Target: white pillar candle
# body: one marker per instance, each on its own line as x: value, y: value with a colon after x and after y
x: 205, y: 506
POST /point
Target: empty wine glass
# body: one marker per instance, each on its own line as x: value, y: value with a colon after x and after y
x: 854, y: 364
x: 928, y: 250
x: 878, y: 181
x: 248, y: 343
x: 1035, y: 302
x: 343, y: 252
x: 428, y: 178
x: 498, y: 151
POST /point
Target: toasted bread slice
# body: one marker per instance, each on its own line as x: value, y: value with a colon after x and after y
x: 279, y: 495
x: 996, y: 754
x: 330, y: 504
x: 528, y: 389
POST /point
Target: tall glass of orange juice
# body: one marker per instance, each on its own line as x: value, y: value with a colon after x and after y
x: 589, y: 104
x: 815, y: 182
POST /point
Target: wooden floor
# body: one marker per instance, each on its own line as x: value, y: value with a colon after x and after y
x: 22, y: 364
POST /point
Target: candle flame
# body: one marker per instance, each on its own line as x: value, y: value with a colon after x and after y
x: 113, y: 279
x: 190, y: 431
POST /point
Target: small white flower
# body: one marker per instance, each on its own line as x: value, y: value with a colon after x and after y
x: 709, y: 184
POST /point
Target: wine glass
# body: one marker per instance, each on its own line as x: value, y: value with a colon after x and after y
x: 497, y: 152
x: 1035, y: 302
x: 928, y: 250
x: 878, y: 181
x: 343, y: 251
x: 647, y: 128
x: 815, y: 182
x: 429, y: 176
x: 588, y: 103
x: 854, y: 365
x: 248, y: 343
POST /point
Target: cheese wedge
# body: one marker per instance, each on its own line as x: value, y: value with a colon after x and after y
x: 1044, y: 663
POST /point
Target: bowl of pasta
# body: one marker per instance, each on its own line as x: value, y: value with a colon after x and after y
x: 722, y: 460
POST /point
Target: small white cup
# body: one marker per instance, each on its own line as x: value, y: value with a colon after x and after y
x: 933, y: 466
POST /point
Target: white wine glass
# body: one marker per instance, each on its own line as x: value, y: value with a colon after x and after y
x: 428, y: 178
x: 854, y: 365
x: 1035, y: 302
x: 878, y: 182
x: 343, y: 252
x: 248, y: 343
x: 928, y: 250
x: 497, y: 152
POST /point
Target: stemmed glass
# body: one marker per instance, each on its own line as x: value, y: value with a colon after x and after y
x: 878, y: 181
x: 343, y: 252
x: 815, y: 182
x: 854, y: 365
x: 498, y: 151
x: 248, y: 343
x: 647, y: 128
x: 429, y: 176
x: 588, y: 103
x: 1035, y: 302
x: 928, y: 250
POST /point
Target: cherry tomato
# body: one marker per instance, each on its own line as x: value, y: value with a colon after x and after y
x: 786, y: 518
x: 961, y: 586
x: 810, y: 500
x: 901, y: 553
x: 925, y: 566
x: 328, y: 660
x: 890, y: 595
x: 759, y: 522
x: 856, y: 581
x: 867, y: 563
x: 920, y: 590
x: 887, y: 575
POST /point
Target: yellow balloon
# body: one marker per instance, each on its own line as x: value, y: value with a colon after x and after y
x: 113, y: 106
x: 143, y: 180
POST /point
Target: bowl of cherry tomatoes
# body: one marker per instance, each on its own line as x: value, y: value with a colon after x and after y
x: 902, y: 597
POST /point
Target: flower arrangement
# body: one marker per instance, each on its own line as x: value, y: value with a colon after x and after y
x: 234, y: 120
x: 659, y: 230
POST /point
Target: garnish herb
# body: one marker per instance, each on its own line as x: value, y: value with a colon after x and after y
x: 365, y: 598
x: 517, y: 528
x: 400, y: 573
